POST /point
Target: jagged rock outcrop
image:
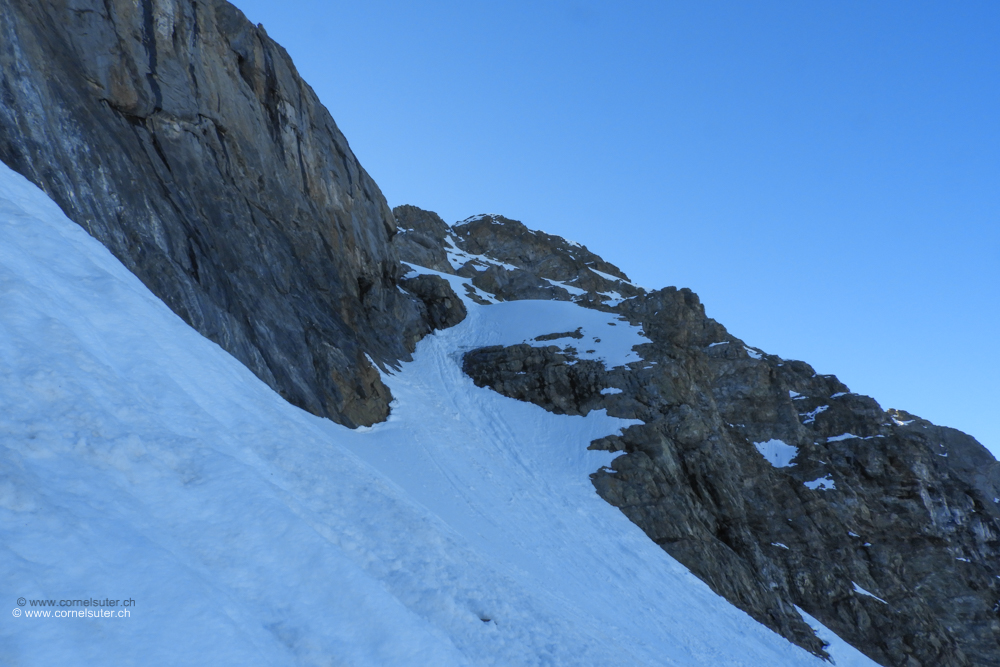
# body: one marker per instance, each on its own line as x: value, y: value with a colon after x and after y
x: 442, y: 307
x: 506, y: 259
x: 424, y: 238
x: 181, y: 137
x: 514, y: 262
x: 775, y: 485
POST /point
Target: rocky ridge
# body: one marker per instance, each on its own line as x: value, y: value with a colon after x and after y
x: 181, y: 137
x: 775, y: 485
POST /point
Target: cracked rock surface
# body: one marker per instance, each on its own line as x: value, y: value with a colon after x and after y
x: 181, y: 137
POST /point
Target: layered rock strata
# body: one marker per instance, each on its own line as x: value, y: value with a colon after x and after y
x: 181, y: 137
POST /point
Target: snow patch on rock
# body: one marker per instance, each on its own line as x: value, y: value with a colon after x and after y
x: 777, y: 453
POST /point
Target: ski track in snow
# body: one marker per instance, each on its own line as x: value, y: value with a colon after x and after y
x: 141, y: 461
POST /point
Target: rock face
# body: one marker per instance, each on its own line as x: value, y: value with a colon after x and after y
x: 424, y: 239
x: 775, y: 485
x: 181, y: 137
x: 508, y: 260
x: 442, y: 307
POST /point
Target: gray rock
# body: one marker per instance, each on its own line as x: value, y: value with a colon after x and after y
x: 908, y: 514
x: 542, y: 254
x: 510, y: 261
x: 538, y: 258
x: 443, y: 307
x: 422, y: 238
x: 181, y: 136
x: 510, y: 285
x: 545, y: 376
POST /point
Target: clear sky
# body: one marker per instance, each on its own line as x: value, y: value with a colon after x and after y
x: 825, y: 175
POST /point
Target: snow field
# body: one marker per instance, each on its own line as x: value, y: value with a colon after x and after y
x: 140, y: 460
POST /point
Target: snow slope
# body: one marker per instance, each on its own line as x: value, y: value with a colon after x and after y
x: 140, y: 461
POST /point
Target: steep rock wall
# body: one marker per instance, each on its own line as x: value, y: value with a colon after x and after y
x: 181, y: 136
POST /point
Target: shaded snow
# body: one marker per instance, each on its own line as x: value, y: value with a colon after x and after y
x: 142, y: 461
x: 612, y: 298
x: 606, y: 337
x: 459, y: 258
x: 858, y: 589
x: 572, y: 289
x: 810, y: 417
x: 821, y: 484
x: 843, y: 654
x: 777, y: 453
x: 609, y: 277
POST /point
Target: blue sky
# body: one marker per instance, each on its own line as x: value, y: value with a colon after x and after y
x: 825, y: 175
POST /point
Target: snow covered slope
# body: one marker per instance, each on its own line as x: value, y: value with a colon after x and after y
x: 141, y: 462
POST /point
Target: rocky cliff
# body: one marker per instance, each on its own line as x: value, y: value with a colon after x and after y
x: 776, y: 486
x: 181, y: 136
